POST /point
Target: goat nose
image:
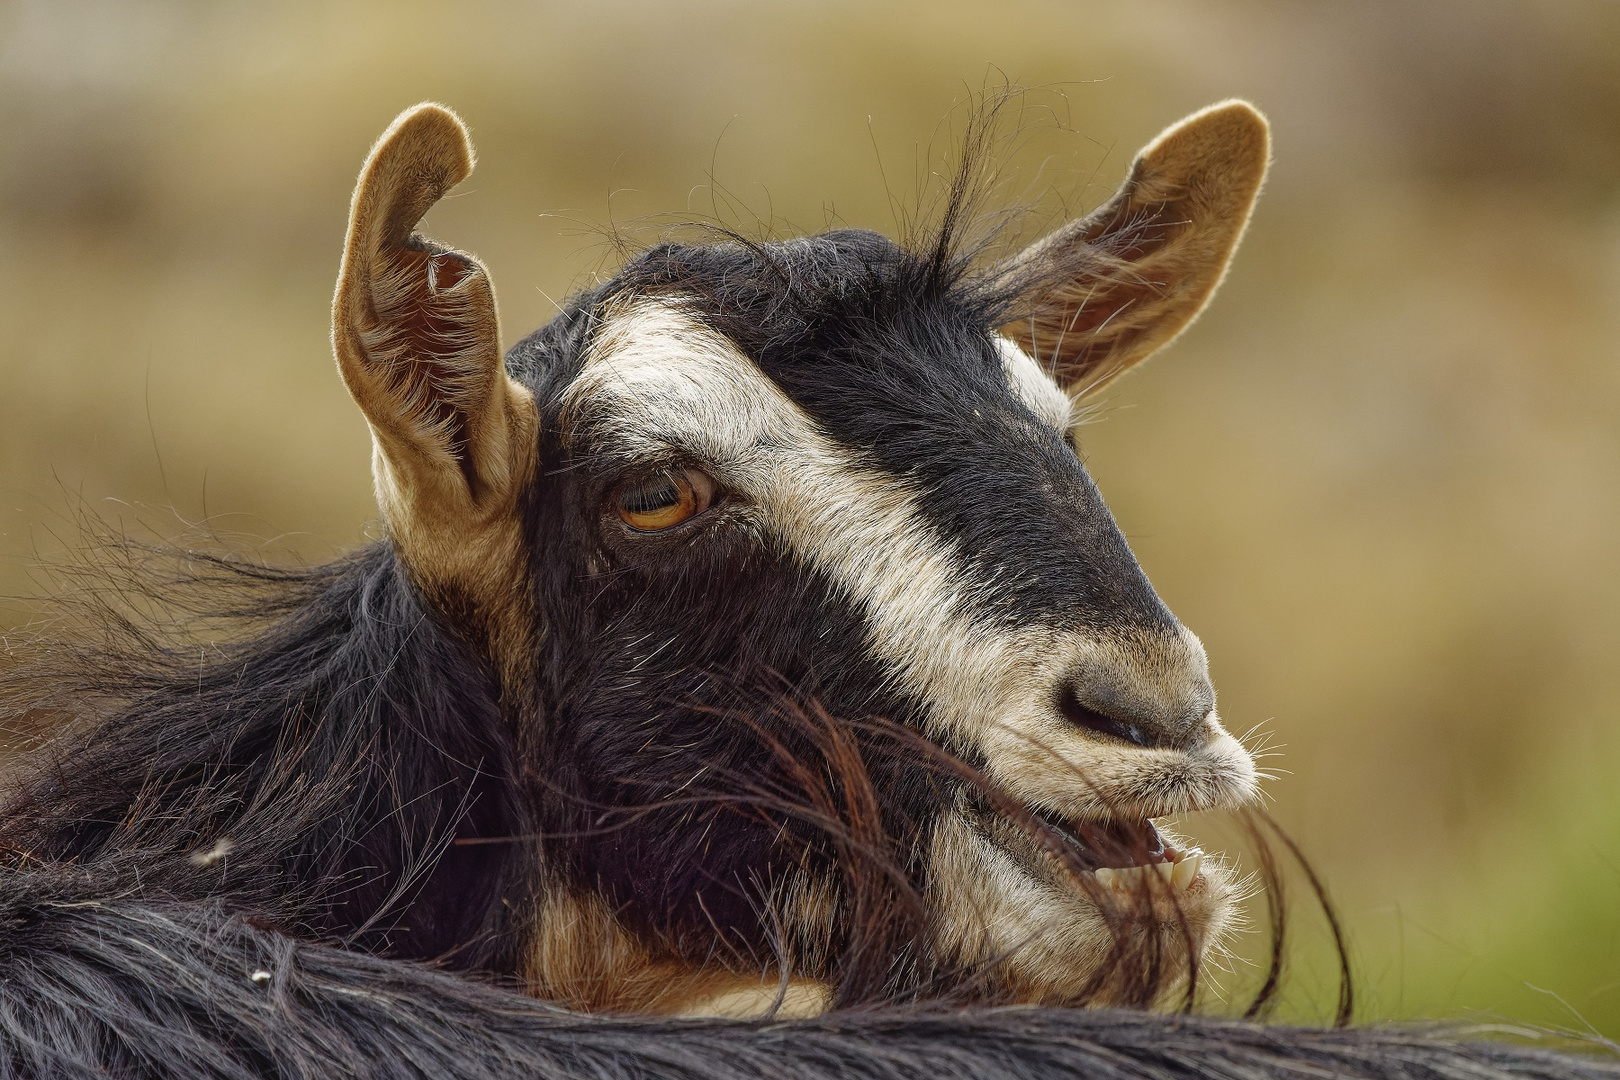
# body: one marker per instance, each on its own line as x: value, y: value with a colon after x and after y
x: 1169, y: 711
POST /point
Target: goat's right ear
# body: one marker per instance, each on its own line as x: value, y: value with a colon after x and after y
x: 1102, y: 294
x: 418, y: 344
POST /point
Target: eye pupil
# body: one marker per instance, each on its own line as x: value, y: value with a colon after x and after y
x: 664, y: 500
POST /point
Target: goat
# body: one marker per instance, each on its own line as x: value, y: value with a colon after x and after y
x: 749, y: 640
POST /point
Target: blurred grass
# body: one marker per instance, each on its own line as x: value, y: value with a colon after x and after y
x: 1381, y: 478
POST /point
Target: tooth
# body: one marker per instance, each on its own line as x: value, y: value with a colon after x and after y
x: 1104, y: 876
x: 1187, y: 870
x: 1183, y: 875
x: 1166, y: 870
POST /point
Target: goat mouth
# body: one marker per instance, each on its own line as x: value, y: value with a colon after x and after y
x: 1123, y: 855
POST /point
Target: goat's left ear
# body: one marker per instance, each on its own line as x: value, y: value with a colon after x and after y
x: 1101, y: 294
x: 418, y: 343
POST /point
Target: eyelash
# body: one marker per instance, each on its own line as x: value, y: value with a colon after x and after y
x: 663, y: 500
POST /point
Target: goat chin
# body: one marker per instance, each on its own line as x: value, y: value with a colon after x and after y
x: 1056, y: 936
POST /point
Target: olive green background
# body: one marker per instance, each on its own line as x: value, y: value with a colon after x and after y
x: 1381, y: 478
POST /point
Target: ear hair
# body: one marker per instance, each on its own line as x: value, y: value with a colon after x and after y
x: 417, y: 340
x: 1101, y: 294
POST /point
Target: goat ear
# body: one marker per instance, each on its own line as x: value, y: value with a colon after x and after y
x: 1101, y: 294
x: 418, y: 344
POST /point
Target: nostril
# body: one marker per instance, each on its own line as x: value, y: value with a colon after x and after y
x: 1086, y: 717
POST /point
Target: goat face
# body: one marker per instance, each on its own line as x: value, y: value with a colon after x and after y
x: 739, y: 488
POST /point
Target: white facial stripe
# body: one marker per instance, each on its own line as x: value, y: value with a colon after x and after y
x: 1034, y: 387
x: 658, y: 379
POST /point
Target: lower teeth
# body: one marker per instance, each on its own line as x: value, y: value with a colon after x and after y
x: 1178, y: 874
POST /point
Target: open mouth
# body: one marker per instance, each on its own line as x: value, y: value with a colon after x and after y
x: 1125, y: 855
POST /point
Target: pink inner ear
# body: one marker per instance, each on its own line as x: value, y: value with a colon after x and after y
x: 1086, y: 322
x: 432, y: 355
x: 1137, y: 231
x: 1099, y: 309
x: 411, y: 299
x: 447, y: 270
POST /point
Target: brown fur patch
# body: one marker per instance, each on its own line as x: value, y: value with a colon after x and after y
x: 583, y: 958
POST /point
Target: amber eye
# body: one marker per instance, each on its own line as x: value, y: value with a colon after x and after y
x: 664, y: 499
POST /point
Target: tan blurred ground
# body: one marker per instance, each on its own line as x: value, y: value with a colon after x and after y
x: 1381, y: 478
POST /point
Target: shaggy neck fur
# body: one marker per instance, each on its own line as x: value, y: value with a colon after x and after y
x: 319, y: 772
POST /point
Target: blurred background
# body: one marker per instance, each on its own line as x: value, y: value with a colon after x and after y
x: 1381, y: 478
